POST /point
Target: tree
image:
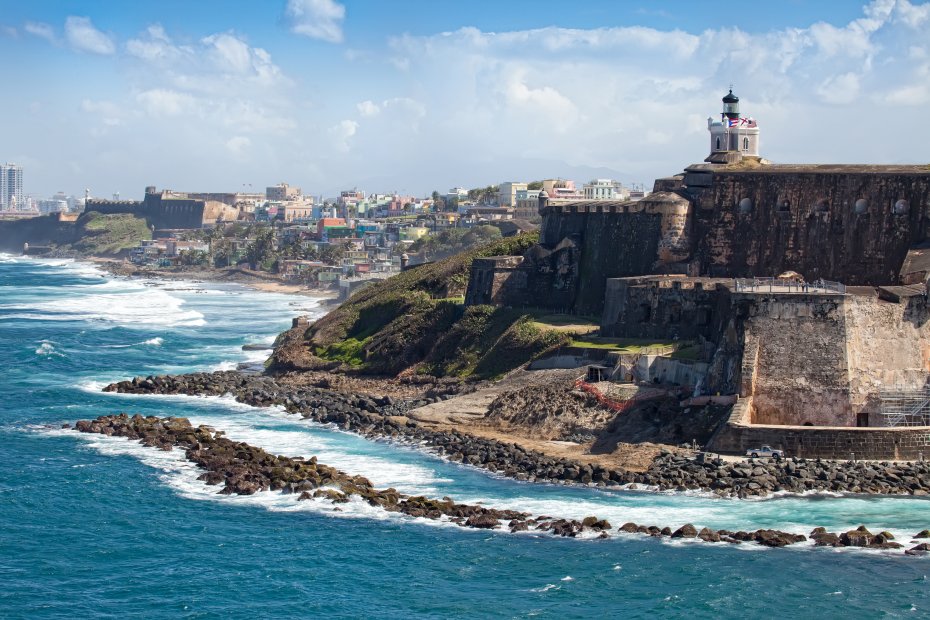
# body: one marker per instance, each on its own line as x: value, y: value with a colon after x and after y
x: 438, y: 203
x: 261, y: 250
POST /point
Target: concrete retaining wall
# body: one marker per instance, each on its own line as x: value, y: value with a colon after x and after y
x: 737, y: 436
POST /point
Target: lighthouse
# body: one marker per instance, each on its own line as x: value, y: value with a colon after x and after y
x: 733, y: 137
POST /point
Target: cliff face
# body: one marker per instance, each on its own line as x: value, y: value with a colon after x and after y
x: 40, y: 231
x: 93, y: 234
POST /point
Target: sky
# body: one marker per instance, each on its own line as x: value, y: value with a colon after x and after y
x: 417, y: 95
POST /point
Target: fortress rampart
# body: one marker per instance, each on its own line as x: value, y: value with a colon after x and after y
x: 860, y: 225
x: 169, y: 210
x: 853, y: 224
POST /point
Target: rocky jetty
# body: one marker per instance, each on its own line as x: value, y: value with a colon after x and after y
x: 243, y: 469
x: 383, y: 417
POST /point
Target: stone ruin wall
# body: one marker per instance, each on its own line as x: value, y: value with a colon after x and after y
x: 495, y: 280
x: 795, y: 361
x: 841, y: 225
x: 888, y: 345
x: 821, y: 360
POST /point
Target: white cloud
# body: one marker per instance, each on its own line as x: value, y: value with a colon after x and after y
x: 110, y: 113
x: 238, y: 145
x: 340, y: 134
x: 840, y: 89
x: 83, y: 37
x: 156, y: 46
x: 318, y: 19
x: 163, y: 102
x: 911, y: 15
x: 368, y: 108
x: 41, y: 30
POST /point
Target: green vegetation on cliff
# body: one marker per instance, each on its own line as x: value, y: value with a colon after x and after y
x: 106, y: 235
x: 416, y: 322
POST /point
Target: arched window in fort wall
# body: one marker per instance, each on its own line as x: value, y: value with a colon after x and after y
x: 745, y: 143
x: 718, y: 144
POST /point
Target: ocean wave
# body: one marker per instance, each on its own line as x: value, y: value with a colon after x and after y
x: 46, y: 348
x: 154, y: 342
x: 135, y: 308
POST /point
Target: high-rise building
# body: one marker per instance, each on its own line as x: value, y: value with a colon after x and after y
x: 11, y: 186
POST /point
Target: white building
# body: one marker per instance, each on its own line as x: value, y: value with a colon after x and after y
x: 11, y: 187
x: 605, y: 189
x: 507, y: 193
x: 457, y: 193
x: 733, y: 136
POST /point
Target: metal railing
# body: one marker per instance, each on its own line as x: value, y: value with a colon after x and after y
x: 778, y: 285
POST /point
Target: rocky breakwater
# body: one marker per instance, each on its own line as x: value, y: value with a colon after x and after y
x: 759, y: 477
x: 383, y: 417
x: 243, y: 469
x: 375, y: 417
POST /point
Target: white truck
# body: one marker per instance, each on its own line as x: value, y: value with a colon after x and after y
x: 765, y: 451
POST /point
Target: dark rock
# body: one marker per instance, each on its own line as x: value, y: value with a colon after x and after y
x: 685, y: 531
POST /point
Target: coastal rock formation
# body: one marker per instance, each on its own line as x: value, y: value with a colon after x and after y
x: 243, y: 469
x: 378, y: 417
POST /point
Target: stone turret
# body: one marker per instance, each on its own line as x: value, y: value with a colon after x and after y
x: 733, y: 136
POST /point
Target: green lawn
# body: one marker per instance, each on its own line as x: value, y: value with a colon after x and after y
x: 623, y: 345
x: 566, y: 323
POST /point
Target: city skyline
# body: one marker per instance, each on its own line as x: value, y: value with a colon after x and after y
x: 327, y: 95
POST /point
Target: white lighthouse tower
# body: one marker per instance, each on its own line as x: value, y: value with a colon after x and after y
x: 733, y: 137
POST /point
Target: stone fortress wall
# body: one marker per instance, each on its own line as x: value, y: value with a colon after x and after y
x: 169, y: 210
x: 853, y: 224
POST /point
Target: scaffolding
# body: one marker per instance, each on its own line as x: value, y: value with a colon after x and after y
x: 902, y: 406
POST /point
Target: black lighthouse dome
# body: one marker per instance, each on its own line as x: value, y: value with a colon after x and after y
x: 731, y: 105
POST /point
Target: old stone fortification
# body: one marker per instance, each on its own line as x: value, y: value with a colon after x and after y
x: 168, y: 210
x: 43, y: 230
x: 860, y: 225
x: 853, y: 224
x: 804, y: 355
x: 739, y: 434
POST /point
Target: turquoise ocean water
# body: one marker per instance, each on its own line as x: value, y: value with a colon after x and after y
x: 92, y: 526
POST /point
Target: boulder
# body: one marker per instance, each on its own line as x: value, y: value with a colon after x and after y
x: 685, y: 531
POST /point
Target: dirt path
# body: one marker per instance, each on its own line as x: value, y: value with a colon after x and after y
x: 467, y: 413
x: 471, y: 408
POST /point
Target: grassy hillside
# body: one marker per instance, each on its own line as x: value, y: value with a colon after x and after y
x: 107, y: 235
x: 416, y: 322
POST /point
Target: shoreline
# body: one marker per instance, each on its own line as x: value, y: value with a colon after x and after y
x: 243, y: 469
x: 382, y: 417
x: 256, y: 280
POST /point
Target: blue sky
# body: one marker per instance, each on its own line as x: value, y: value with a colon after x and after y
x: 418, y: 95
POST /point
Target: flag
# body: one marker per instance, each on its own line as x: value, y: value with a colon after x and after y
x: 733, y: 122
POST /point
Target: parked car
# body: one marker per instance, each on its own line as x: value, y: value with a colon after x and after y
x: 765, y: 451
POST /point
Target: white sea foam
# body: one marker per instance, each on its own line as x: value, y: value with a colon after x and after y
x: 154, y: 342
x: 46, y: 348
x: 405, y: 477
x: 181, y: 475
x: 141, y: 308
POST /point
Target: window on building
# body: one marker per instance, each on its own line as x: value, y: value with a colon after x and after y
x: 718, y: 143
x: 745, y: 144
